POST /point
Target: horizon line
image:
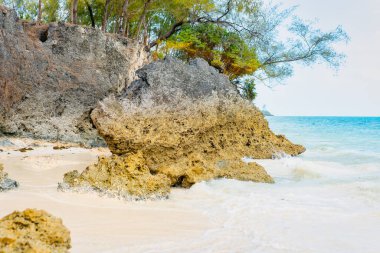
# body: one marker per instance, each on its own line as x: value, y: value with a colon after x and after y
x: 336, y: 116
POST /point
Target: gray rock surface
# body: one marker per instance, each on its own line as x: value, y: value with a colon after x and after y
x: 52, y: 76
x: 6, y: 143
x: 169, y: 82
x: 6, y: 183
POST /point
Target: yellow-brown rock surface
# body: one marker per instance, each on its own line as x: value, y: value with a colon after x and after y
x: 33, y: 231
x: 125, y: 176
x: 189, y: 123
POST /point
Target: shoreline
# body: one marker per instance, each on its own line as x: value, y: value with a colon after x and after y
x: 319, y: 201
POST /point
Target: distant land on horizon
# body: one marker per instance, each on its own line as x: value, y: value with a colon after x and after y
x: 326, y: 116
x: 265, y: 111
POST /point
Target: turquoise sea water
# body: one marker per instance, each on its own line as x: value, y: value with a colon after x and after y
x: 346, y: 140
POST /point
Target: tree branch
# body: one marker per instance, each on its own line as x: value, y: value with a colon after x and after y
x: 175, y: 28
x: 142, y: 17
x: 227, y: 10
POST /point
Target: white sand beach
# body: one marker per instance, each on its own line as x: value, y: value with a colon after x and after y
x: 313, y: 207
x: 97, y: 224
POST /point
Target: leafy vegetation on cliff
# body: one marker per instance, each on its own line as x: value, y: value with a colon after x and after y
x: 221, y: 48
x: 238, y: 37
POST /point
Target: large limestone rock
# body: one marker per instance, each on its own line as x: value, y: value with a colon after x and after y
x: 52, y: 76
x: 177, y: 109
x: 5, y: 182
x: 33, y: 231
x: 189, y: 123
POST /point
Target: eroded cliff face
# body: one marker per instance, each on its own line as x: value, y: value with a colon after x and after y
x: 189, y: 124
x: 33, y: 231
x: 52, y: 76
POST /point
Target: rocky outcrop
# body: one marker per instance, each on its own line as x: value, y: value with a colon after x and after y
x: 52, y: 76
x: 188, y: 123
x: 124, y: 176
x: 129, y: 177
x: 175, y: 110
x: 33, y: 231
x: 5, y: 182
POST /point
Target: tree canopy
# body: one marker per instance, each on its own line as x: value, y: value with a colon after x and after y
x: 241, y: 38
x: 223, y: 49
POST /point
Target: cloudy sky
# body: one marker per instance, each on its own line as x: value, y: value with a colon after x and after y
x: 355, y: 89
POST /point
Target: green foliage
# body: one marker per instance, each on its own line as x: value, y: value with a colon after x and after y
x: 50, y: 9
x: 248, y: 89
x: 83, y: 12
x: 26, y: 9
x: 221, y: 48
x: 302, y: 43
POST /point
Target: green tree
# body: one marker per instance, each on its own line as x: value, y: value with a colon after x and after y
x: 247, y: 88
x: 223, y: 49
x: 258, y: 23
x: 50, y: 10
x: 25, y: 9
x: 239, y: 37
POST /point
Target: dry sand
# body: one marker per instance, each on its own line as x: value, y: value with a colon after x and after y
x: 97, y: 224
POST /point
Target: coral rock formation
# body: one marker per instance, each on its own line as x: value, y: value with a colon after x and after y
x: 189, y: 123
x: 33, y: 231
x: 6, y: 183
x: 52, y: 76
x: 176, y: 109
x: 125, y: 176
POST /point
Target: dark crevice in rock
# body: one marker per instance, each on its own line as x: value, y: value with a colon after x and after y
x: 89, y: 118
x: 179, y: 181
x: 44, y: 35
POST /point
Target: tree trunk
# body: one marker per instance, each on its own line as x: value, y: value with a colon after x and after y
x: 39, y: 11
x: 74, y: 12
x: 105, y: 15
x: 126, y: 34
x: 142, y: 17
x: 91, y: 13
x: 124, y: 17
x: 146, y: 35
x: 116, y: 26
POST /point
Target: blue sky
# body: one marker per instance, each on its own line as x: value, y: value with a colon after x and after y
x: 355, y: 89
